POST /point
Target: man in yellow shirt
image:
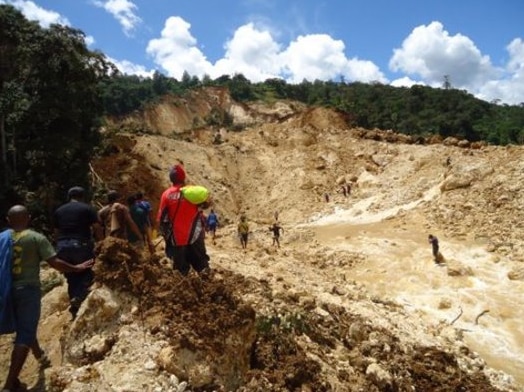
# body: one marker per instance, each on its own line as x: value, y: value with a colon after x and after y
x: 243, y: 231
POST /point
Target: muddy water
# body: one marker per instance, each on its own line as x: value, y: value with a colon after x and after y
x: 400, y: 266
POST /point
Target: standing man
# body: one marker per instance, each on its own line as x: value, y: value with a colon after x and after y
x: 212, y: 223
x: 182, y: 226
x: 146, y: 206
x: 276, y: 228
x: 434, y: 245
x: 243, y: 231
x: 140, y: 218
x: 75, y: 225
x: 29, y: 249
x: 117, y: 219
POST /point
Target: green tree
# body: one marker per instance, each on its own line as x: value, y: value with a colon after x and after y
x: 50, y: 106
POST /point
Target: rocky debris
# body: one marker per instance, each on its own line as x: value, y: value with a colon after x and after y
x: 517, y: 273
x: 267, y: 326
x: 455, y: 268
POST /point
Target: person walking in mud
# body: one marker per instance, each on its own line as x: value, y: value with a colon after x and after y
x: 29, y: 249
x: 76, y: 223
x: 243, y: 231
x: 435, y: 248
x: 275, y: 229
x: 180, y: 221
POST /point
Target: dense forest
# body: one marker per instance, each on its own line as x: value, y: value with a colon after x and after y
x: 55, y: 92
x: 417, y: 110
x: 50, y: 111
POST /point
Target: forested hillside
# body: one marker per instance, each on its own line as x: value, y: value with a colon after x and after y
x: 418, y: 110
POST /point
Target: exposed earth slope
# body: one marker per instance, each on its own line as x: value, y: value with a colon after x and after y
x: 352, y: 300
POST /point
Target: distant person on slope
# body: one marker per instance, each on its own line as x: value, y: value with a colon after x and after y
x: 29, y: 249
x: 243, y: 231
x: 276, y: 228
x: 212, y: 223
x: 435, y: 248
x: 180, y: 221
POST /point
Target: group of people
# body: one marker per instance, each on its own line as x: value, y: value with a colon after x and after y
x: 131, y: 221
x: 26, y: 249
x: 77, y: 225
x: 243, y: 231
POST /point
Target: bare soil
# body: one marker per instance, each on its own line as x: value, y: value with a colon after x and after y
x: 351, y: 301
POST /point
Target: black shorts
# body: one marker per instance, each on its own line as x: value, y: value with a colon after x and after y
x: 243, y: 237
x: 193, y: 255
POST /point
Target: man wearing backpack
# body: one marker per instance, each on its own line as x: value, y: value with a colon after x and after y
x: 181, y: 225
x: 140, y: 217
x: 29, y: 249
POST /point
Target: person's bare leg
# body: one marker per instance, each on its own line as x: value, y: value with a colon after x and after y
x: 18, y: 357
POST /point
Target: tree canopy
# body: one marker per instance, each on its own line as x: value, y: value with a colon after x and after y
x: 50, y: 109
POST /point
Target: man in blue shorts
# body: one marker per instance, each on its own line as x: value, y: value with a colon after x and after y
x: 212, y: 223
x: 29, y: 250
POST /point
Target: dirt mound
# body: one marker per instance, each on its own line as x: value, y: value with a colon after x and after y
x: 121, y: 168
x: 203, y: 317
x: 322, y: 119
x: 198, y: 309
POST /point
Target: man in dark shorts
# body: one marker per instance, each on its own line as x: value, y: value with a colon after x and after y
x: 75, y: 224
x: 182, y: 226
x: 29, y: 250
x: 243, y: 231
x: 276, y: 228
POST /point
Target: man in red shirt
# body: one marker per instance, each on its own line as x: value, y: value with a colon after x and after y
x: 181, y: 226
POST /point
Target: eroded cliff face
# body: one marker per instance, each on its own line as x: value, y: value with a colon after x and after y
x: 350, y: 301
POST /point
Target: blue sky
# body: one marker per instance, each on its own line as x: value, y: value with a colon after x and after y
x: 478, y: 43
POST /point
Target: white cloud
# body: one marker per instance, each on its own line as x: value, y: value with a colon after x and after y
x: 315, y: 56
x: 34, y: 12
x: 251, y: 52
x: 89, y: 40
x: 124, y: 11
x: 405, y: 82
x: 510, y: 88
x: 516, y: 53
x: 176, y: 51
x: 431, y: 52
x: 129, y: 68
x: 254, y: 52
